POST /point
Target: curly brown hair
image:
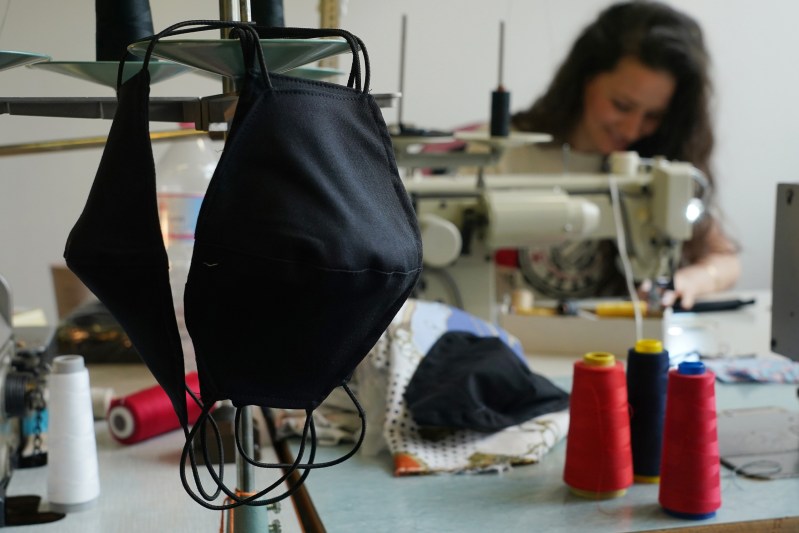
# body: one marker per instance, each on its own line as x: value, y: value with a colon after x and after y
x: 661, y: 38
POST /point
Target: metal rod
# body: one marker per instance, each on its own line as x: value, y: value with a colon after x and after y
x: 245, y: 11
x: 64, y: 145
x: 403, y: 35
x: 245, y: 471
x: 248, y: 519
x: 501, y: 52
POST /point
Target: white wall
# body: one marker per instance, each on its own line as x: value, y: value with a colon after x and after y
x: 451, y: 69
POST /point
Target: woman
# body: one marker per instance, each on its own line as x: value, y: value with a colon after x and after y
x: 636, y: 79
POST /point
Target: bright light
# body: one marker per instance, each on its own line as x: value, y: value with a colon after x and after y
x: 694, y: 210
x: 674, y: 331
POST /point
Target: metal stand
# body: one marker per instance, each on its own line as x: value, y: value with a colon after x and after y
x: 245, y: 518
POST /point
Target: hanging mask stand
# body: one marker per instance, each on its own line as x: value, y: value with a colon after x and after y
x: 289, y: 172
x: 246, y: 507
x: 250, y: 518
x: 202, y: 112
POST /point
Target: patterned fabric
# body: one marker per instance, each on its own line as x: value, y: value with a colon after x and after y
x: 383, y: 377
x: 772, y: 369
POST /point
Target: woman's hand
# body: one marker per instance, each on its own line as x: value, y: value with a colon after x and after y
x: 716, y: 272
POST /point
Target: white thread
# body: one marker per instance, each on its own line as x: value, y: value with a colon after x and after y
x: 522, y: 299
x: 73, y: 481
x: 621, y: 244
x: 101, y: 401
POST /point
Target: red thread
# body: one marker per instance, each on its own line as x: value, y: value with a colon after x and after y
x: 598, y: 450
x: 148, y: 413
x: 690, y: 467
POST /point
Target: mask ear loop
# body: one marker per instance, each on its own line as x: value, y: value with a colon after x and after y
x: 311, y: 465
x: 309, y: 424
x: 206, y: 457
x: 251, y: 50
x: 188, y: 450
x: 201, y: 25
x: 253, y: 499
x: 354, y: 42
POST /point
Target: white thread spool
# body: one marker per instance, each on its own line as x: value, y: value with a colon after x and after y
x: 624, y: 163
x: 101, y: 401
x: 522, y: 300
x: 73, y: 480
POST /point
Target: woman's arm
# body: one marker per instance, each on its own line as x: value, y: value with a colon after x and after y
x: 717, y: 270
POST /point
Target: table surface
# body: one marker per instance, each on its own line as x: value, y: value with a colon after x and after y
x: 362, y: 494
x: 141, y: 489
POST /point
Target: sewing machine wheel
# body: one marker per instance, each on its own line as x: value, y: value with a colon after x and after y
x: 571, y: 269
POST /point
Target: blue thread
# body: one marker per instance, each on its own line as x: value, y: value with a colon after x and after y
x: 647, y: 380
x: 691, y: 368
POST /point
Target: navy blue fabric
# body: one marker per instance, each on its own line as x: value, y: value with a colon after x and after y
x: 470, y: 382
x: 306, y: 243
x: 116, y: 247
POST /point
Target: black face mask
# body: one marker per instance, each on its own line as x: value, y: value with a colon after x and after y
x: 478, y: 383
x: 306, y: 244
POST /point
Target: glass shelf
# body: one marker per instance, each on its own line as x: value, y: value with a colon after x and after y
x: 105, y: 72
x: 11, y: 59
x: 224, y: 57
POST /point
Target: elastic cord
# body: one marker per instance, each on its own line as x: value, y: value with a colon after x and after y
x: 309, y: 415
x: 202, y: 25
x: 188, y: 451
x: 201, y: 421
x: 355, y: 43
x: 238, y: 501
x: 252, y: 498
x: 289, y: 468
x: 621, y: 244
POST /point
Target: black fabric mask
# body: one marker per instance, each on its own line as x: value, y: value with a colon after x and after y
x: 306, y: 243
x: 479, y: 383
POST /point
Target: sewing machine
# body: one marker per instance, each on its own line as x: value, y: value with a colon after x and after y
x: 557, y: 221
x: 9, y: 428
x: 17, y: 389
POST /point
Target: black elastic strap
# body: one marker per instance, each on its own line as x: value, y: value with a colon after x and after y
x: 193, y: 26
x: 355, y: 43
x: 309, y: 415
x: 238, y: 500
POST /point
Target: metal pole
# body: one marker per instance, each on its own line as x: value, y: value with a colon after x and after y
x: 247, y: 519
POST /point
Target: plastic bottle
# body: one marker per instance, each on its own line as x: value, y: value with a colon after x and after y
x: 183, y: 173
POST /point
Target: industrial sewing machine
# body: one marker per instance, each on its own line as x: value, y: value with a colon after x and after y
x: 9, y: 427
x: 20, y: 395
x: 558, y: 221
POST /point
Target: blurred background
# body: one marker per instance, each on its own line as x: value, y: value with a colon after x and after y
x: 450, y: 71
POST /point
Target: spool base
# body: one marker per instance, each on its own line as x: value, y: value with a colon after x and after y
x: 598, y: 495
x: 654, y: 480
x: 71, y: 507
x: 690, y: 516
